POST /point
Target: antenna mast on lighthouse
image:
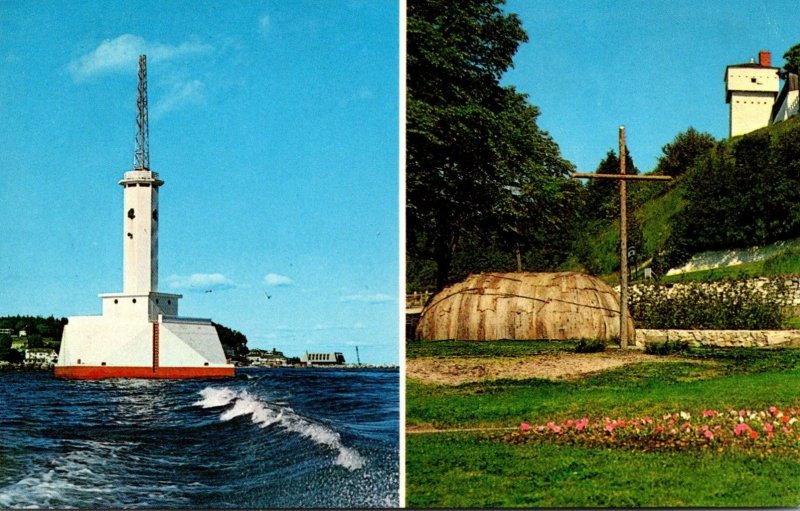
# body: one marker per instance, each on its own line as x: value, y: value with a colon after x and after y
x: 141, y: 156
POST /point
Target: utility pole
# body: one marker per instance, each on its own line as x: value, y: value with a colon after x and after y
x: 623, y: 229
x: 358, y: 358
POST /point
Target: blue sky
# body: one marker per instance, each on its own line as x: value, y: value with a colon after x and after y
x: 655, y: 66
x: 275, y: 127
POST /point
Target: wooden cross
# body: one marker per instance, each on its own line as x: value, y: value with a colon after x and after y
x: 622, y: 177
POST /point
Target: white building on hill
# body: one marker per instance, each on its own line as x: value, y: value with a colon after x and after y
x: 752, y: 91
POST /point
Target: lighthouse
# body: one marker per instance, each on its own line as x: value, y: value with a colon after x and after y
x: 139, y: 334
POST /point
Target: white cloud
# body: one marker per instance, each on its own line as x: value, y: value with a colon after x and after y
x: 122, y: 54
x: 374, y: 298
x: 273, y: 279
x: 263, y: 24
x: 201, y: 282
x: 181, y: 94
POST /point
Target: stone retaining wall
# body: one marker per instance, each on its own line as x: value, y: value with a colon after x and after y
x: 728, y: 338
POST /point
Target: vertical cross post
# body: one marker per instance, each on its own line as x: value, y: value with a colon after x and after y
x: 622, y: 177
x: 623, y: 245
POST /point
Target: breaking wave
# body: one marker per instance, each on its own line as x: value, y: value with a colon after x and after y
x: 265, y: 414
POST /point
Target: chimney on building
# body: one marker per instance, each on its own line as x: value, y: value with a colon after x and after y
x: 764, y: 59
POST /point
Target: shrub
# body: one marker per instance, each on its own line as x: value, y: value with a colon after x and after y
x: 734, y: 305
x: 590, y: 346
x: 665, y: 347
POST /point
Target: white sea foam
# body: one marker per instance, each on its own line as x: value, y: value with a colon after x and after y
x: 214, y: 397
x: 86, y: 474
x: 264, y: 413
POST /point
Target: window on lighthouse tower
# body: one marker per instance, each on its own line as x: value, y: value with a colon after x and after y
x: 131, y: 214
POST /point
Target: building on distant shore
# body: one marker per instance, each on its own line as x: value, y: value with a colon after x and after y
x: 263, y: 358
x: 752, y: 91
x: 41, y: 355
x: 323, y: 359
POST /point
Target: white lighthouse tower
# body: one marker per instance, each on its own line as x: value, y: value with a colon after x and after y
x: 139, y: 334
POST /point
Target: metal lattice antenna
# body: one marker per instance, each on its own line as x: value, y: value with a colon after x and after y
x: 141, y: 156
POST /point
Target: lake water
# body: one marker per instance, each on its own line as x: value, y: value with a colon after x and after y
x: 268, y: 438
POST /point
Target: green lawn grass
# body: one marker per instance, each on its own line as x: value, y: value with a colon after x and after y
x: 467, y: 469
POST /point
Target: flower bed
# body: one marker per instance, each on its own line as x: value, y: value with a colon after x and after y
x: 765, y: 431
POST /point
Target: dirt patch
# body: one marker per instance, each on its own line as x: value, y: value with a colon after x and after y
x: 560, y: 366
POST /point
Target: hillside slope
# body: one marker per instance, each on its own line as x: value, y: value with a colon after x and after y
x: 744, y: 193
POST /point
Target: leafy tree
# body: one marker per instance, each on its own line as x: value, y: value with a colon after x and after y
x: 602, y: 195
x: 35, y: 341
x: 232, y: 339
x: 476, y: 160
x: 792, y: 57
x: 5, y: 344
x: 680, y: 154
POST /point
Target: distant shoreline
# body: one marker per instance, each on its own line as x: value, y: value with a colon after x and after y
x: 8, y: 367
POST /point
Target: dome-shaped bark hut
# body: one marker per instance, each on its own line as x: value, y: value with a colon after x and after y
x: 523, y: 305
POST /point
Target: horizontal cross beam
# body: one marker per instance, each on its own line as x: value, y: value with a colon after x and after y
x: 626, y: 177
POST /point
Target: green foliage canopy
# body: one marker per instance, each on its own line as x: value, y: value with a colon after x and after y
x: 232, y: 340
x: 792, y: 57
x: 745, y: 192
x: 680, y: 154
x: 602, y: 195
x: 477, y: 163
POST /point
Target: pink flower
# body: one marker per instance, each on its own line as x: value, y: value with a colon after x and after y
x: 659, y: 429
x: 785, y: 429
x: 742, y: 413
x: 768, y: 427
x: 525, y: 426
x: 740, y: 428
x: 709, y: 413
x: 773, y: 410
x: 552, y: 427
x: 708, y: 434
x: 570, y: 423
x: 582, y: 424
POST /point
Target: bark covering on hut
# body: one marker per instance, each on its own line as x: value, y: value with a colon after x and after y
x: 523, y: 305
